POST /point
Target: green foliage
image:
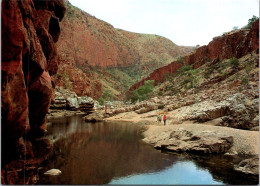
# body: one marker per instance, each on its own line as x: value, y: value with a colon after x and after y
x: 101, y: 101
x: 143, y: 92
x: 184, y: 69
x: 250, y: 22
x: 169, y: 87
x: 245, y: 81
x: 225, y: 74
x: 106, y: 96
x: 210, y: 70
x: 160, y: 93
x: 168, y: 77
x: 180, y: 60
x: 249, y: 67
x: 191, y: 80
x: 234, y: 62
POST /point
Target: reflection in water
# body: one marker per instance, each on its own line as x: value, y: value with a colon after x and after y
x: 113, y: 153
x: 179, y: 173
x: 96, y: 153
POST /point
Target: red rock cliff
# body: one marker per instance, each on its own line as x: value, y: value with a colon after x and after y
x: 30, y: 29
x: 87, y: 44
x: 233, y: 44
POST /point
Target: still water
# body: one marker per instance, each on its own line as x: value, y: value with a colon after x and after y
x: 113, y: 153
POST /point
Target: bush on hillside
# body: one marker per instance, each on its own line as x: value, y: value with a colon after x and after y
x: 143, y: 92
x: 168, y: 77
x: 184, y: 69
x: 107, y: 95
x: 250, y: 22
x: 234, y: 62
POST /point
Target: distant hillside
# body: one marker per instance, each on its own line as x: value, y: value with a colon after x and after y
x: 95, y: 56
x: 234, y: 44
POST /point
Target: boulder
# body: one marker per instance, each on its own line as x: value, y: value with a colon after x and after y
x: 86, y: 104
x: 248, y: 166
x: 66, y: 99
x: 186, y: 141
x: 95, y: 117
x: 147, y: 108
x: 59, y: 101
x: 72, y: 103
x: 53, y: 172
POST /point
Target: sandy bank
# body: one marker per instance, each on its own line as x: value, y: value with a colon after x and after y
x: 245, y: 142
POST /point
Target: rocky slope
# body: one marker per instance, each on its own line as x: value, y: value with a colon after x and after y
x: 211, y: 99
x: 233, y: 44
x: 94, y: 55
x: 30, y: 30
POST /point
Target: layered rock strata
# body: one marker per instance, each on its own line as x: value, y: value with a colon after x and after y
x: 233, y: 44
x: 68, y: 100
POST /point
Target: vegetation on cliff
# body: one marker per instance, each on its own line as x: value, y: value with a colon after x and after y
x: 104, y: 57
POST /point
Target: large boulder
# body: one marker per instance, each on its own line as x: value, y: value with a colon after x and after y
x: 66, y: 99
x: 86, y: 104
x: 249, y: 166
x: 185, y: 141
x: 95, y: 117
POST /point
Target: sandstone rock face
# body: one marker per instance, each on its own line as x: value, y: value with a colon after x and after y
x: 29, y: 59
x: 68, y: 100
x: 185, y: 141
x: 234, y: 44
x: 95, y: 117
x: 95, y: 44
x: 139, y: 108
x: 249, y: 166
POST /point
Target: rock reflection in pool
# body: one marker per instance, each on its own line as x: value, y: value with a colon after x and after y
x: 97, y: 153
x: 179, y: 173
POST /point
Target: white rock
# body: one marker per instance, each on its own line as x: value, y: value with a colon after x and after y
x: 53, y: 172
x: 73, y: 102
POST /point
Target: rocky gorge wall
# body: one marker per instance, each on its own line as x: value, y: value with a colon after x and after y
x: 30, y: 30
x: 88, y: 44
x: 233, y: 44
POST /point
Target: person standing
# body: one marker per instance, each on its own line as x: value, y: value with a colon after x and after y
x: 106, y: 109
x: 164, y: 119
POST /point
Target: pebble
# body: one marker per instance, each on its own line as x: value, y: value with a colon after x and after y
x: 53, y: 172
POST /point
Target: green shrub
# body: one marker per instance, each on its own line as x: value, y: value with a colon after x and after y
x: 184, y: 69
x: 101, y: 101
x: 168, y: 77
x: 169, y: 87
x: 160, y: 93
x: 245, y: 81
x: 234, y: 62
x: 250, y: 22
x: 143, y: 92
x: 248, y: 68
x: 107, y: 95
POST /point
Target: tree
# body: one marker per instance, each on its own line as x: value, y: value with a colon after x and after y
x: 106, y: 96
x: 143, y: 92
x: 250, y: 22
